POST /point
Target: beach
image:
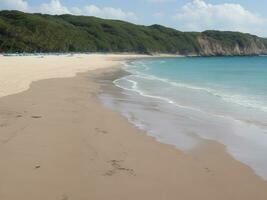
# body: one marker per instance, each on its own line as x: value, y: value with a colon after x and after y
x: 58, y: 141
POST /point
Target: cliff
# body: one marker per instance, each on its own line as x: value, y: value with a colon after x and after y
x: 230, y: 44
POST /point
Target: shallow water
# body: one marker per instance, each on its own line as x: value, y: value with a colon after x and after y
x: 180, y: 100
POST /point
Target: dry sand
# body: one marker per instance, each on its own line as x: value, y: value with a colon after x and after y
x: 57, y: 142
x: 17, y: 72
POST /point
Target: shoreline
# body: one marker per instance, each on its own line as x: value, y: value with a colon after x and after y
x: 18, y: 72
x: 60, y: 142
x: 166, y: 120
x: 116, y: 92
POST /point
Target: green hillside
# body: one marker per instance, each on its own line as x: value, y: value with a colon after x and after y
x: 23, y: 32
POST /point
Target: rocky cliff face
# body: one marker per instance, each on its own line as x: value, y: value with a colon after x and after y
x: 213, y: 47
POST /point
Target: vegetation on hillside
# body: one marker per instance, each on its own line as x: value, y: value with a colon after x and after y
x: 24, y: 32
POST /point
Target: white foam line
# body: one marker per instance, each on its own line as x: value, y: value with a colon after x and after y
x: 138, y: 91
x: 239, y: 100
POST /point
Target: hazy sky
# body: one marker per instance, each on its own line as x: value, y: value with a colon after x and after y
x: 186, y: 15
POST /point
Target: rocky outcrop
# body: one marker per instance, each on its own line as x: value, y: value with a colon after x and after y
x: 213, y: 47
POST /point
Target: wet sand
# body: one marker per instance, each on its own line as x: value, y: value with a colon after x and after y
x: 58, y: 142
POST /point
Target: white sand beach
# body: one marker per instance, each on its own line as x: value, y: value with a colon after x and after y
x: 18, y: 72
x: 58, y: 142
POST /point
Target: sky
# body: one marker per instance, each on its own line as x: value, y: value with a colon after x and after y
x: 248, y: 16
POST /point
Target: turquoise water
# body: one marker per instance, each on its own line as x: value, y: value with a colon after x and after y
x: 239, y: 80
x: 181, y: 101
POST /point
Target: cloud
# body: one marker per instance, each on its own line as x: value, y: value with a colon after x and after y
x: 16, y: 4
x: 55, y: 7
x: 198, y: 15
x: 105, y: 12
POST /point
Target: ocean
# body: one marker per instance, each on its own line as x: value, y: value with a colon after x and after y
x: 183, y: 101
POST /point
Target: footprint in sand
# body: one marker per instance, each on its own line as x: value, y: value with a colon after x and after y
x: 208, y: 170
x: 37, y: 167
x: 116, y: 168
x: 36, y: 117
x: 101, y: 131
